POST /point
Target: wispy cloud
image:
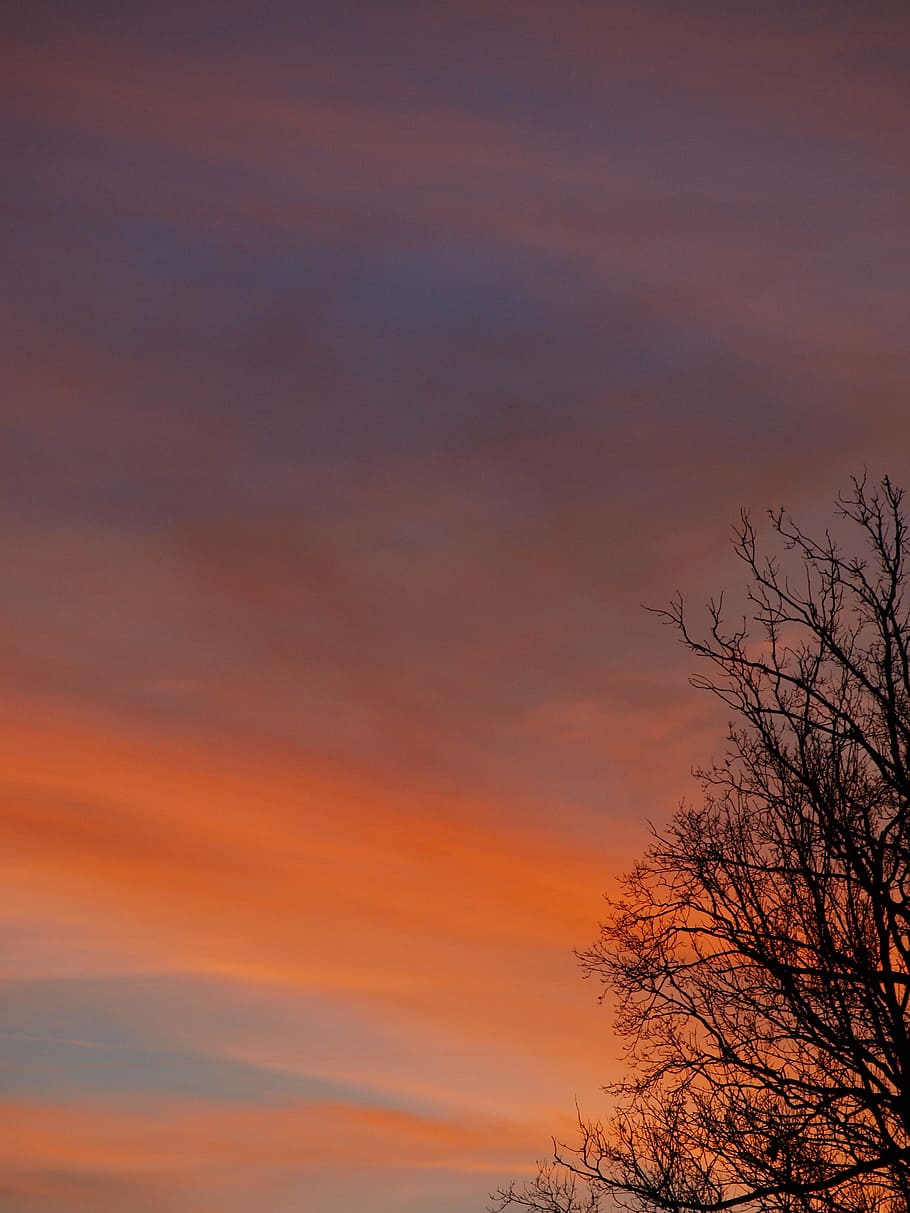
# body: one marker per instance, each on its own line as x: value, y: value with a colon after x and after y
x: 366, y: 369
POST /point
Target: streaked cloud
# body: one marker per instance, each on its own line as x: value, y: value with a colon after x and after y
x: 365, y: 370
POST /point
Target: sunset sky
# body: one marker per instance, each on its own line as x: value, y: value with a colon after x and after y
x: 365, y: 368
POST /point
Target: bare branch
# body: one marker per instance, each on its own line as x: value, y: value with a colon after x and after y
x: 759, y: 953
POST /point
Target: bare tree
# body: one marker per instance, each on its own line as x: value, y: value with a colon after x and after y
x: 760, y: 951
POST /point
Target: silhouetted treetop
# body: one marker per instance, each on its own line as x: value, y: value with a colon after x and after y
x: 760, y: 951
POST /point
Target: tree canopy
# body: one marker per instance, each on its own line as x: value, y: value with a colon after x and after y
x: 759, y: 953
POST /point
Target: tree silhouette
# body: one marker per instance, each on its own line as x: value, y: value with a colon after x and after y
x: 760, y: 951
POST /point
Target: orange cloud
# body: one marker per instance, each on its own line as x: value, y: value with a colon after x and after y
x: 171, y: 1135
x: 269, y: 870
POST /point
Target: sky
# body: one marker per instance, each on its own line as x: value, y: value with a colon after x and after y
x: 365, y: 369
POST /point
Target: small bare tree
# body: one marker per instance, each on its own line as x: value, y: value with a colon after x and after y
x: 760, y: 951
